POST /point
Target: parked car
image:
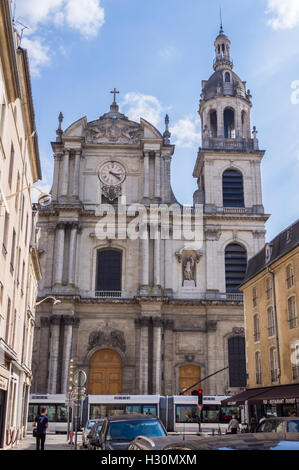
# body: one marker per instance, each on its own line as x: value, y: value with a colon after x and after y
x: 87, y: 429
x: 261, y: 441
x: 93, y: 435
x: 279, y: 425
x: 118, y: 431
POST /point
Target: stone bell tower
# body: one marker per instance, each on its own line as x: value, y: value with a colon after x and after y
x: 228, y: 171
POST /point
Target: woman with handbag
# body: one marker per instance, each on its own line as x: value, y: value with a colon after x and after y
x: 40, y: 425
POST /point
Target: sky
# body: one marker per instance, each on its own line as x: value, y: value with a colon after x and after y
x: 156, y: 53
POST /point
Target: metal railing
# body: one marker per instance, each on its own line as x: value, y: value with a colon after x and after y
x: 221, y: 143
x: 108, y: 294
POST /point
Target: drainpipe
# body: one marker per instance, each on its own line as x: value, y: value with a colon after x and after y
x: 276, y: 323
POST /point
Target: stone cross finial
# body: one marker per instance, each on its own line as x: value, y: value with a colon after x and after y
x: 114, y: 92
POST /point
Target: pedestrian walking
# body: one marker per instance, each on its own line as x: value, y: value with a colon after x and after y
x: 253, y: 424
x: 233, y: 425
x: 40, y: 425
x: 264, y: 417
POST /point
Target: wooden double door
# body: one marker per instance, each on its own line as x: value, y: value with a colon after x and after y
x: 189, y: 375
x: 105, y: 373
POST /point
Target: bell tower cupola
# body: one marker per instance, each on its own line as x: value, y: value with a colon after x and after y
x: 222, y: 49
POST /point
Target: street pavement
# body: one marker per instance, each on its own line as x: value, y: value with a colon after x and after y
x: 53, y: 442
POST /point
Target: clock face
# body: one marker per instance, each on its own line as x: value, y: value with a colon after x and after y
x: 112, y: 174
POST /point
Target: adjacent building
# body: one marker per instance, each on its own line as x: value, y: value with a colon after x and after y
x: 19, y: 264
x: 150, y: 312
x: 271, y: 290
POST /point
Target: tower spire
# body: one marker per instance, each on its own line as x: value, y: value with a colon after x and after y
x: 221, y: 23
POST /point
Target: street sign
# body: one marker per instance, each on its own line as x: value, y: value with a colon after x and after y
x: 79, y: 378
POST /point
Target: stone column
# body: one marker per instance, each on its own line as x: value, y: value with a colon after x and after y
x: 167, y: 189
x: 76, y: 178
x: 158, y: 175
x: 143, y: 368
x: 59, y: 253
x: 54, y: 353
x: 168, y: 260
x: 54, y: 191
x: 67, y: 351
x: 220, y: 122
x: 157, y: 260
x: 145, y: 257
x: 65, y: 173
x: 146, y: 175
x: 157, y: 325
x: 73, y: 253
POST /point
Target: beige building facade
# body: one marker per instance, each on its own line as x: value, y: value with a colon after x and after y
x: 149, y: 307
x: 19, y: 264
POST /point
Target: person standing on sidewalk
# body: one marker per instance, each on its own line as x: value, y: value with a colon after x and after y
x: 233, y: 425
x: 41, y: 423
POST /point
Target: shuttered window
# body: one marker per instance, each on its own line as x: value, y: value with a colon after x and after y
x: 235, y: 266
x: 232, y: 187
x: 237, y: 362
x: 109, y: 270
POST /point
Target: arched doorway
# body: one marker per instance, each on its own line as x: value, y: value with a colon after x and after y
x: 105, y: 373
x: 189, y: 375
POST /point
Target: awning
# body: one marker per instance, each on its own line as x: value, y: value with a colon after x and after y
x: 280, y: 394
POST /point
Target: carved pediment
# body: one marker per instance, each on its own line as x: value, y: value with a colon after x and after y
x: 114, y: 339
x: 110, y: 132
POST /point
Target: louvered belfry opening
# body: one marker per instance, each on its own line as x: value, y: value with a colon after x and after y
x: 233, y: 191
x: 109, y: 267
x: 235, y: 267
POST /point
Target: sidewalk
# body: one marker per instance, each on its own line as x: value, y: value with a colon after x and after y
x: 53, y: 442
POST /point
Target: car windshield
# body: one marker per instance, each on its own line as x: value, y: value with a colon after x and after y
x: 270, y: 425
x: 293, y: 425
x: 127, y: 431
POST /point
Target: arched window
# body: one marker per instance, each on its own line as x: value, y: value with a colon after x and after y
x: 271, y: 321
x: 290, y: 276
x: 235, y: 266
x: 213, y: 123
x: 237, y: 362
x: 258, y: 368
x: 227, y: 77
x: 109, y: 269
x: 292, y: 312
x: 229, y: 123
x: 256, y: 328
x: 232, y: 189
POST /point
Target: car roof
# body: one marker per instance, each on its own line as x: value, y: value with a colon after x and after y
x: 129, y: 417
x: 282, y: 418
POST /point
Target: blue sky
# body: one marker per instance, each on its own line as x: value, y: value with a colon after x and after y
x: 157, y: 53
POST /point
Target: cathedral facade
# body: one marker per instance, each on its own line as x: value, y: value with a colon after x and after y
x: 146, y: 305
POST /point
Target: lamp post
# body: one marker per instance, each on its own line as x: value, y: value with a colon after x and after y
x: 55, y: 301
x: 44, y: 199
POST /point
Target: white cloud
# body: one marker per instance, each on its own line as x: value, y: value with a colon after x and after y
x: 186, y: 131
x: 86, y: 17
x: 169, y: 53
x: 39, y: 54
x: 137, y: 105
x: 284, y: 13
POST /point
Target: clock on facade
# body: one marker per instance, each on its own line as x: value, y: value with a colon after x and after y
x: 112, y: 174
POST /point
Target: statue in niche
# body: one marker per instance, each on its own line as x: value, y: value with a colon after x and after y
x: 189, y: 272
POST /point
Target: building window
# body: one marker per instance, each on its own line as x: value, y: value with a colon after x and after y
x: 227, y: 77
x: 290, y: 276
x: 256, y: 328
x: 109, y: 270
x: 11, y: 165
x: 235, y: 267
x: 232, y: 188
x: 213, y: 123
x: 274, y: 365
x: 237, y: 362
x: 292, y: 312
x: 254, y: 297
x: 5, y: 234
x: 13, y: 249
x: 258, y: 368
x: 295, y: 359
x: 269, y: 288
x: 7, y: 320
x: 271, y: 322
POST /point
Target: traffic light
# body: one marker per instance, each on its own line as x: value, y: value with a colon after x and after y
x: 198, y: 393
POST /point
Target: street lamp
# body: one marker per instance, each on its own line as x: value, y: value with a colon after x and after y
x: 44, y: 199
x: 55, y: 301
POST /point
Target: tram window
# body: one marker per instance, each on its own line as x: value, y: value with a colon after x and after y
x: 32, y: 413
x: 150, y: 410
x: 210, y: 414
x: 186, y: 414
x: 133, y: 409
x: 61, y: 414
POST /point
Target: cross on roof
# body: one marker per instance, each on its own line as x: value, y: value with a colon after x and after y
x: 114, y: 92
